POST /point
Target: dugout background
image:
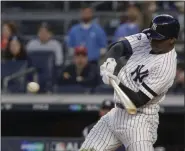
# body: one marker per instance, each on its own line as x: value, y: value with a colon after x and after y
x: 71, y: 124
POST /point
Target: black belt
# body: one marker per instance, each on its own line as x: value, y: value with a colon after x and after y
x: 119, y: 105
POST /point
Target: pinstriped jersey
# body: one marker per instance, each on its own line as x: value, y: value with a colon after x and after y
x: 153, y: 74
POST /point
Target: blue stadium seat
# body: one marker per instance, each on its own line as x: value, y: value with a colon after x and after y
x: 9, y: 68
x: 71, y: 89
x: 104, y: 89
x: 44, y: 62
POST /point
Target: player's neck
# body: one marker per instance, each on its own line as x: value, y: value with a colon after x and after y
x: 166, y: 50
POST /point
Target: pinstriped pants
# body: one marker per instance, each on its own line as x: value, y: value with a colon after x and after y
x: 137, y: 132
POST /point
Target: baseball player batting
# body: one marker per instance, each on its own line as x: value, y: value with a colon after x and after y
x: 145, y: 78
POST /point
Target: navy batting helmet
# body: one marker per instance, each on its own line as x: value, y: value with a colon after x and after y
x: 163, y: 27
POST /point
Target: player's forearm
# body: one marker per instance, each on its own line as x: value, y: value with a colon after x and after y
x: 138, y: 98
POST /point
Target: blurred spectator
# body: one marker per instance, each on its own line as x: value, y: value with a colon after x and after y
x: 123, y: 19
x: 80, y: 72
x: 8, y: 29
x: 180, y: 6
x: 179, y: 80
x: 129, y: 27
x: 106, y: 106
x: 44, y: 42
x: 15, y: 50
x: 166, y: 5
x: 88, y: 34
x: 148, y: 8
x: 135, y: 9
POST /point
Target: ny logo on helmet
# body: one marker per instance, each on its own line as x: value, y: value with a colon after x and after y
x: 154, y: 26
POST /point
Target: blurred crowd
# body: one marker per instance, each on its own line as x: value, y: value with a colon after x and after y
x: 86, y: 43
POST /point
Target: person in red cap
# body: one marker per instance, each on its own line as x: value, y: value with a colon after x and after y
x: 80, y: 71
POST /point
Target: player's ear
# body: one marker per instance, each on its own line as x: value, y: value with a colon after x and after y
x: 172, y: 41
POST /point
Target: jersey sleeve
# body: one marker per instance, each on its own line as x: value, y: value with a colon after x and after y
x: 159, y: 80
x: 138, y: 42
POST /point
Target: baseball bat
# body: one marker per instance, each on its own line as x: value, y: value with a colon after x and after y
x: 125, y: 101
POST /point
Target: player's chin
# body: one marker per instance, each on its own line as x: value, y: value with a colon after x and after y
x: 156, y: 50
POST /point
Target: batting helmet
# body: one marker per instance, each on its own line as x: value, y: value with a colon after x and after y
x: 163, y: 27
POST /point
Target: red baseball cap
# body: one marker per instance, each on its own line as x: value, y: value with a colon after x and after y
x: 80, y: 50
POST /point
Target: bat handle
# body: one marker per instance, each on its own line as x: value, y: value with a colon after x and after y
x: 121, y: 94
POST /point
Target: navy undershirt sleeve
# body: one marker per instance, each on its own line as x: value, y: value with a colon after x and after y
x: 138, y: 98
x: 119, y: 49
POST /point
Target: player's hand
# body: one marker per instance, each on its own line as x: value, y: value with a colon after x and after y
x: 109, y: 66
x: 106, y: 76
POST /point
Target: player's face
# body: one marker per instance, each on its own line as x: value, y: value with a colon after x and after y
x: 160, y: 45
